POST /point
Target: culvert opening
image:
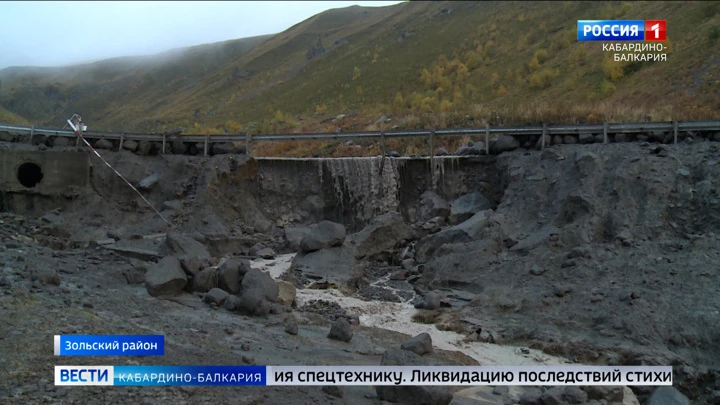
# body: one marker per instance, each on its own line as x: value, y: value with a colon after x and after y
x: 29, y: 174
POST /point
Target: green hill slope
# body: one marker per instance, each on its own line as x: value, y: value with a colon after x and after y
x: 6, y: 117
x: 423, y: 63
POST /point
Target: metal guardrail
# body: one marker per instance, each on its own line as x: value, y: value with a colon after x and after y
x: 606, y: 129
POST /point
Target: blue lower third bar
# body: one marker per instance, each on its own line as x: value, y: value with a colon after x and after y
x: 109, y: 345
x: 189, y: 375
x: 160, y: 376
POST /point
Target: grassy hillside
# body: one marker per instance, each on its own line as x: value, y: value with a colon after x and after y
x: 421, y: 63
x: 6, y: 117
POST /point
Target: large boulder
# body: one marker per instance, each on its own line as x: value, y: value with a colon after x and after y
x: 326, y: 234
x: 166, y: 278
x: 286, y: 293
x: 504, y: 143
x: 259, y: 283
x: 383, y: 233
x: 226, y: 148
x: 294, y: 236
x: 230, y: 274
x: 192, y: 254
x: 667, y: 396
x: 466, y: 231
x: 250, y: 303
x: 341, y: 330
x: 426, y: 395
x: 216, y: 296
x: 420, y: 344
x: 205, y: 280
x: 334, y: 265
x: 466, y: 206
x: 431, y: 205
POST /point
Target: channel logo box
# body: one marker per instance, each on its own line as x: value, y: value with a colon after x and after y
x: 622, y: 30
x: 84, y: 375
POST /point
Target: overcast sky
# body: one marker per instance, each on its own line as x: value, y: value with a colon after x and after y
x: 55, y: 33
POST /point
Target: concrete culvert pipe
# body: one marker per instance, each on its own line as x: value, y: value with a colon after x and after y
x: 29, y: 174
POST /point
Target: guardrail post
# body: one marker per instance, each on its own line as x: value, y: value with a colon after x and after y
x: 247, y: 144
x: 382, y: 143
x: 205, y: 153
x: 487, y: 138
x: 122, y: 139
x: 164, y: 139
x: 77, y: 140
x: 605, y: 132
x: 544, y: 134
x: 675, y: 131
x: 432, y: 144
x: 32, y: 132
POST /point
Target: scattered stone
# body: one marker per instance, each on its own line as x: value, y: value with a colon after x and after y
x: 551, y: 154
x: 586, y: 138
x: 608, y: 393
x: 667, y: 396
x: 427, y: 395
x: 622, y: 137
x: 574, y: 395
x: 232, y: 302
x: 192, y: 254
x: 431, y: 301
x: 536, y: 270
x: 286, y: 293
x: 103, y: 144
x: 130, y: 145
x: 441, y: 152
x: 252, y: 303
x: 569, y: 140
x: 582, y: 252
x: 326, y: 234
x: 341, y: 330
x: 165, y: 278
x: 260, y: 283
x: 420, y: 344
x: 399, y: 275
x: 266, y: 253
x: 548, y: 142
x: 291, y: 327
x: 205, y: 280
x: 334, y: 390
x: 504, y: 143
x: 383, y: 233
x: 48, y: 276
x: 393, y: 154
x: 216, y: 296
x: 553, y: 396
x: 408, y: 264
x: 431, y: 206
x: 561, y: 291
x: 466, y: 206
x: 531, y: 396
x: 683, y: 172
x: 144, y: 148
x: 294, y: 236
x: 230, y: 274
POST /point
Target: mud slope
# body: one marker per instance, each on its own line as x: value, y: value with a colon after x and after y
x: 601, y: 253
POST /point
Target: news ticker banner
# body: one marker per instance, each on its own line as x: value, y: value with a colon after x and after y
x: 109, y: 345
x: 158, y: 376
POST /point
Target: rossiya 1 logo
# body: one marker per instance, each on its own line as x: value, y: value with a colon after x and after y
x: 629, y: 40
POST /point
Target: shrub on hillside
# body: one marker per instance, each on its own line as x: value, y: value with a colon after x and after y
x: 544, y: 78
